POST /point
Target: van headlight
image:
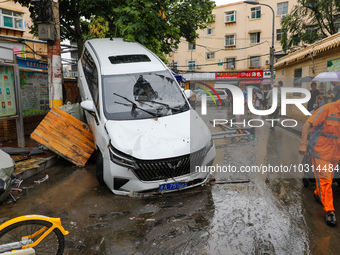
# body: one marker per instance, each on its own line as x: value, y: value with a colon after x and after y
x: 209, y: 145
x: 120, y: 158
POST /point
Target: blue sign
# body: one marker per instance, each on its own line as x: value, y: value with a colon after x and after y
x: 32, y: 64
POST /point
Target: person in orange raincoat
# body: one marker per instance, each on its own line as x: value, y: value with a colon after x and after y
x: 324, y: 146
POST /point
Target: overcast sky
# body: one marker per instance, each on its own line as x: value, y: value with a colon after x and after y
x: 220, y: 2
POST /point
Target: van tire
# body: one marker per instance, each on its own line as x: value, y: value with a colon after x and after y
x: 99, y: 167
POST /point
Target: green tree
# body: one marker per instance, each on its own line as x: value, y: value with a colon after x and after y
x: 157, y: 24
x: 309, y: 21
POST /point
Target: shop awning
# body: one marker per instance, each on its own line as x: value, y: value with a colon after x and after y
x: 267, y: 82
x: 248, y: 82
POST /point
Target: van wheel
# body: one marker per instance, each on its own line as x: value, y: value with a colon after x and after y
x: 99, y: 167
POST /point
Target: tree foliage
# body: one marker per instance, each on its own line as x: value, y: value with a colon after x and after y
x: 157, y: 24
x: 321, y: 14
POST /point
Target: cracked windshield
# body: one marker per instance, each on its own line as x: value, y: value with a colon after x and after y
x: 136, y: 96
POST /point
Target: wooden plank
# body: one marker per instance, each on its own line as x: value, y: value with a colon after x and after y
x: 66, y: 136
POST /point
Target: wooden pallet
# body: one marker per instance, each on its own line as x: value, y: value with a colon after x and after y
x: 66, y: 136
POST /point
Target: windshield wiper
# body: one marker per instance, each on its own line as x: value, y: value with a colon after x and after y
x: 182, y: 107
x: 166, y: 105
x: 134, y: 107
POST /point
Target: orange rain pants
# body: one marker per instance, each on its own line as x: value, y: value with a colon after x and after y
x: 324, y: 180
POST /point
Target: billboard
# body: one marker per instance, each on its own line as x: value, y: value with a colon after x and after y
x: 34, y: 93
x: 7, y: 92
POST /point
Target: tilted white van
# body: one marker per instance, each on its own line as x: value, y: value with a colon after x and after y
x: 148, y: 138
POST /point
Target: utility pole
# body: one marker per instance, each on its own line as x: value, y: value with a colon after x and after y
x: 54, y: 61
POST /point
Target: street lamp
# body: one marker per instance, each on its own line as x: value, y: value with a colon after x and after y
x: 272, y: 48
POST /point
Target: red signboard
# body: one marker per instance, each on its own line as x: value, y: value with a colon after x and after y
x: 247, y: 74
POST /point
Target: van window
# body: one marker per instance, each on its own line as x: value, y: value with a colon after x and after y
x: 142, y: 95
x: 88, y: 65
x: 123, y: 59
x: 91, y: 75
x: 93, y: 85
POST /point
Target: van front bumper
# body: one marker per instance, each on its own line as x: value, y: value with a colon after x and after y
x: 148, y: 176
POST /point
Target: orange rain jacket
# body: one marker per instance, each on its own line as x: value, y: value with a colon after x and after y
x: 324, y: 142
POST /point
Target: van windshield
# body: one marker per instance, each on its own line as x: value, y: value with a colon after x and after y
x: 141, y: 96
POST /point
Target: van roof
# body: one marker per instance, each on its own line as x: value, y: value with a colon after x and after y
x: 116, y: 56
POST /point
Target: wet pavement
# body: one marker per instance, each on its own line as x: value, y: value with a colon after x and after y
x: 267, y: 214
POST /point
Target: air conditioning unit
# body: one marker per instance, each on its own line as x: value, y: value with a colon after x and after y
x: 283, y: 16
x: 46, y: 32
x: 267, y: 61
x: 198, y: 66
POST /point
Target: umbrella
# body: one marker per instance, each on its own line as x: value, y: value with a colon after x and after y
x: 328, y: 76
x: 255, y: 89
x: 178, y: 77
x: 304, y: 79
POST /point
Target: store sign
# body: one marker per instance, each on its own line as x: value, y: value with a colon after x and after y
x: 247, y: 74
x: 266, y: 74
x: 32, y: 64
x: 7, y: 93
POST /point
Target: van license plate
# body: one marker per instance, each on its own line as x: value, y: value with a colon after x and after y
x: 172, y: 186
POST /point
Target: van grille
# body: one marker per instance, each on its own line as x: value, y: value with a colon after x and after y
x: 153, y: 170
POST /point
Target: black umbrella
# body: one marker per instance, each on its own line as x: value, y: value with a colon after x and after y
x: 255, y: 89
x: 303, y: 79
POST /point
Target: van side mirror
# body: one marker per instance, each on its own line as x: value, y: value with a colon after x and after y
x: 188, y: 93
x: 88, y: 106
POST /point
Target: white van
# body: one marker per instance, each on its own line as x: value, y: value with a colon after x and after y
x: 148, y: 138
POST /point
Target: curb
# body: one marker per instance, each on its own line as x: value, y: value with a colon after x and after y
x: 42, y: 165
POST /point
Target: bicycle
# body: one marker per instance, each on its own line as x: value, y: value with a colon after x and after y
x: 32, y: 235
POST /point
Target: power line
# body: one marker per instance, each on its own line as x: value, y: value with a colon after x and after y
x: 243, y: 59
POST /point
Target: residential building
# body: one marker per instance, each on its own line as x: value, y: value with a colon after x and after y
x: 236, y: 45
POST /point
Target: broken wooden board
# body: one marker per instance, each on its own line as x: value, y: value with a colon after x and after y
x: 66, y: 136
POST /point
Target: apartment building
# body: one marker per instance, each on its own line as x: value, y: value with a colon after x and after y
x: 236, y: 45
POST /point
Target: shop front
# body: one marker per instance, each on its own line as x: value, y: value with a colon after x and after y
x: 23, y: 95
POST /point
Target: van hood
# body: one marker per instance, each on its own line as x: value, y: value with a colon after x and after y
x: 157, y: 138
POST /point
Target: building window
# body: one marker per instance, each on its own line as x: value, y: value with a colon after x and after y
x: 12, y: 19
x: 230, y: 63
x: 192, y: 46
x: 191, y: 65
x: 229, y: 17
x: 210, y: 31
x: 255, y: 37
x: 211, y: 55
x: 282, y: 8
x: 255, y: 62
x: 230, y: 40
x: 255, y: 13
x: 279, y: 34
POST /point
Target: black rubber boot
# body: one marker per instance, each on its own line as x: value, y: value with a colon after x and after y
x: 330, y: 219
